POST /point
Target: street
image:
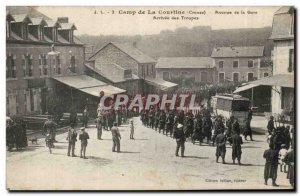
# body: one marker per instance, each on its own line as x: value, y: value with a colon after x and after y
x: 147, y: 162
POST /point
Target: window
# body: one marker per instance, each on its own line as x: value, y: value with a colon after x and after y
x: 221, y: 77
x: 235, y: 77
x: 266, y: 74
x: 57, y: 64
x: 250, y: 77
x: 27, y: 65
x: 291, y: 60
x: 184, y: 74
x: 25, y: 31
x: 203, y: 76
x: 235, y: 64
x: 41, y: 33
x: 166, y: 75
x: 10, y: 66
x: 43, y: 64
x: 73, y: 64
x: 250, y: 63
x: 221, y: 64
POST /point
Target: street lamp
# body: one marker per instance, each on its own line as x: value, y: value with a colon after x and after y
x: 52, y: 54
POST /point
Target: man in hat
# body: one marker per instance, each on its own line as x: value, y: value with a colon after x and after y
x: 71, y: 138
x: 221, y: 146
x: 131, y: 129
x: 248, y: 130
x: 83, y: 137
x: 270, y: 125
x: 116, y: 137
x: 271, y: 165
x: 237, y: 141
x: 180, y: 139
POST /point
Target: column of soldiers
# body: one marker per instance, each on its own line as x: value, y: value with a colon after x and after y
x: 196, y: 127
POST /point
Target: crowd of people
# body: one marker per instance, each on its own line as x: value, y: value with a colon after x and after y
x: 16, y: 133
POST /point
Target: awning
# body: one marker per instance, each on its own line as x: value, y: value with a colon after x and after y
x: 283, y: 80
x: 88, y: 85
x: 160, y: 83
x: 245, y: 87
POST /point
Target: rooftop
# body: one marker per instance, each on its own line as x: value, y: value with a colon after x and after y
x: 130, y: 50
x: 249, y: 51
x: 184, y: 62
x: 283, y: 24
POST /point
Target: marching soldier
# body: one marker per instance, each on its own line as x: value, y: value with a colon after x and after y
x: 219, y: 127
x: 116, y: 137
x: 71, y: 138
x: 197, y: 129
x: 162, y: 121
x: 170, y: 122
x: 189, y: 124
x: 83, y: 137
x: 157, y: 115
x: 271, y: 165
x: 207, y: 128
x: 221, y: 147
x: 151, y: 118
x: 236, y: 148
x: 180, y: 139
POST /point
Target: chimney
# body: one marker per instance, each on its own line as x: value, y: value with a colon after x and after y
x: 63, y: 20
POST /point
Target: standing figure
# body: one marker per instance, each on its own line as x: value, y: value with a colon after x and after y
x: 270, y: 125
x: 83, y: 137
x: 271, y: 165
x: 131, y: 129
x: 151, y: 118
x: 170, y: 122
x: 50, y: 128
x: 73, y: 117
x: 229, y: 128
x: 197, y: 129
x: 237, y: 141
x: 221, y: 147
x: 99, y: 126
x: 180, y: 139
x: 248, y: 130
x: 281, y: 156
x: 85, y: 117
x: 116, y: 137
x: 189, y: 124
x: 290, y: 160
x: 71, y: 138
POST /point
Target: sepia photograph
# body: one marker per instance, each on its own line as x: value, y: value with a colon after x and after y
x: 157, y: 98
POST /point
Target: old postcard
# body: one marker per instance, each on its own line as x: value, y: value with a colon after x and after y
x: 150, y: 98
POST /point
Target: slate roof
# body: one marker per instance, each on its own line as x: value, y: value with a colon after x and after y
x: 283, y: 24
x: 184, y: 62
x: 249, y: 51
x: 130, y: 50
x: 21, y: 18
x: 67, y: 26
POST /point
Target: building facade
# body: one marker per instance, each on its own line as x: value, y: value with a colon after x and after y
x: 240, y: 64
x: 284, y: 59
x: 29, y: 61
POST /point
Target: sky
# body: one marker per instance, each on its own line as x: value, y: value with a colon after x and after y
x: 126, y: 20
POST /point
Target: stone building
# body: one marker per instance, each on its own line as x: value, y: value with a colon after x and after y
x: 127, y: 67
x: 38, y: 51
x: 240, y: 64
x: 280, y: 86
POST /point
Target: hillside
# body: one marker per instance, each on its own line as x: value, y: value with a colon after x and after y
x: 198, y: 41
